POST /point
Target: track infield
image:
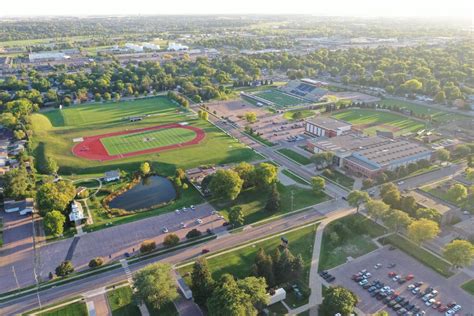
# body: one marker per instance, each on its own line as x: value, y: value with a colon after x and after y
x: 136, y: 142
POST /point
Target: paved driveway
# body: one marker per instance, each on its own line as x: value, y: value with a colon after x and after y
x: 110, y: 243
x: 449, y: 289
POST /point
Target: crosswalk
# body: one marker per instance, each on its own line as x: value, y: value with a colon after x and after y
x: 127, y: 271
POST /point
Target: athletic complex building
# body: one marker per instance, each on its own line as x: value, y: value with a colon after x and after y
x: 307, y: 89
x: 370, y: 155
x: 326, y: 127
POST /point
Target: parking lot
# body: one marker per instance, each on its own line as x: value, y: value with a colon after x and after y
x: 448, y: 289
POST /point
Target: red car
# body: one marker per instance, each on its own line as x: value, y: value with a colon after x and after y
x: 409, y: 277
x: 442, y: 308
x: 205, y: 250
x: 392, y: 274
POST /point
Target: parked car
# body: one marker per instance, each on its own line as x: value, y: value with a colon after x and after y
x: 430, y: 302
x: 193, y: 207
x: 436, y: 305
x: 366, y: 286
x: 409, y: 277
x: 392, y: 265
x: 391, y: 274
x: 416, y: 290
x: 183, y: 225
x: 323, y: 273
x: 365, y: 281
x: 377, y: 266
x: 198, y: 221
x: 225, y: 224
x: 371, y: 289
x: 164, y: 230
x: 205, y: 250
x: 442, y: 308
x: 396, y: 278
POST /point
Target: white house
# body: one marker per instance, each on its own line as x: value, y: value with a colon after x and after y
x: 77, y: 213
x: 151, y: 46
x: 279, y: 295
x: 134, y: 47
x: 112, y: 175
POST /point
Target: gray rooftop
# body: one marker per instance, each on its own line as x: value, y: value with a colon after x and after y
x: 328, y: 122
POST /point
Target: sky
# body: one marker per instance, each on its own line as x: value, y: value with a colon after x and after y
x: 365, y: 8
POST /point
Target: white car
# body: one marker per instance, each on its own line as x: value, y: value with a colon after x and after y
x: 368, y: 275
x: 164, y: 230
x: 396, y: 278
x: 199, y: 221
x: 363, y: 282
x: 193, y: 207
x: 431, y: 301
x: 411, y: 286
x: 183, y: 225
x: 457, y: 308
x: 377, y: 266
x: 400, y: 182
x: 185, y: 209
x: 177, y: 211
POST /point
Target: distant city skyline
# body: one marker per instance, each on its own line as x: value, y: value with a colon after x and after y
x: 367, y: 8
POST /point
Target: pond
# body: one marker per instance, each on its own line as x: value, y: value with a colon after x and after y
x: 150, y: 191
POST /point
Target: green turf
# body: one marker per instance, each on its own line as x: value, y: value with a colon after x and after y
x: 437, y: 115
x: 122, y: 144
x: 289, y: 115
x: 279, y: 98
x: 294, y: 177
x: 356, y: 244
x: 121, y: 302
x: 372, y: 120
x: 278, y: 309
x: 293, y: 155
x: 74, y: 309
x: 55, y: 130
x: 469, y: 286
x: 420, y: 254
x: 253, y: 202
x: 341, y: 179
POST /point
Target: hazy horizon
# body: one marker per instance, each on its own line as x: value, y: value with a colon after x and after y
x: 337, y: 8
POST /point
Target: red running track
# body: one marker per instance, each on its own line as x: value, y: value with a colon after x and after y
x: 92, y: 148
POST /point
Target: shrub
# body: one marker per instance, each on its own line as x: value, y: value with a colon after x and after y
x: 185, y: 186
x: 193, y: 233
x: 64, y: 269
x: 96, y: 262
x: 147, y: 246
x: 171, y: 240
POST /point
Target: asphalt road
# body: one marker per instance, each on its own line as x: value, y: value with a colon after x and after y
x: 76, y: 288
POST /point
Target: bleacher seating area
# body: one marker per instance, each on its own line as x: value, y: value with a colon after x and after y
x: 304, y: 90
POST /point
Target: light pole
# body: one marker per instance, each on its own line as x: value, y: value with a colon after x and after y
x: 292, y: 197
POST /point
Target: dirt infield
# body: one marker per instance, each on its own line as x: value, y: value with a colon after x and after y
x: 93, y: 149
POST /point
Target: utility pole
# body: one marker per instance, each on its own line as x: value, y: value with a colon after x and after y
x: 292, y: 197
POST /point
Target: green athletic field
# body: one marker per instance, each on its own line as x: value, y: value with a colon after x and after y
x: 279, y: 98
x: 55, y: 130
x: 371, y: 121
x: 122, y: 144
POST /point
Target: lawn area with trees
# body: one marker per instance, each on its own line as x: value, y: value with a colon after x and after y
x: 349, y: 236
x: 469, y: 286
x: 121, y: 302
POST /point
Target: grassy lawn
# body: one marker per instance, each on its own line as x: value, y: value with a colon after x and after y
x: 293, y: 155
x: 294, y: 177
x: 423, y: 256
x: 289, y: 115
x: 371, y: 121
x: 279, y: 98
x: 341, y: 179
x: 74, y: 309
x: 253, y: 202
x: 239, y: 262
x: 438, y: 115
x: 260, y: 139
x: 55, y: 130
x: 121, y: 302
x: 354, y: 239
x: 469, y: 286
x: 186, y: 197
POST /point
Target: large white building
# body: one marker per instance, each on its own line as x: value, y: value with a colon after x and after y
x: 326, y: 126
x: 175, y: 46
x: 47, y: 56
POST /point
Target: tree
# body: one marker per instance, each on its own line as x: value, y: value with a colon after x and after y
x: 408, y: 204
x: 155, y: 285
x: 18, y: 184
x: 145, y: 168
x: 251, y: 117
x: 263, y: 267
x: 171, y: 240
x: 376, y: 209
x: 412, y: 85
x: 273, y: 202
x: 205, y: 116
x: 231, y: 298
x: 470, y: 174
x: 322, y: 160
x: 51, y: 166
x: 8, y: 120
x: 422, y: 230
x: 147, y: 246
x: 55, y: 196
x: 266, y: 174
x: 96, y: 262
x: 19, y: 134
x: 236, y: 216
x: 443, y: 154
x: 387, y: 187
x: 392, y: 197
x: 64, y: 269
x: 246, y: 172
x: 193, y: 233
x: 428, y: 213
x: 226, y: 184
x: 318, y: 184
x: 54, y: 223
x: 396, y: 220
x: 459, y: 252
x: 338, y: 300
x: 202, y: 283
x: 457, y: 192
x: 440, y: 97
x: 357, y: 198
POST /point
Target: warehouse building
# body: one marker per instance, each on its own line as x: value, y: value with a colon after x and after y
x: 326, y: 127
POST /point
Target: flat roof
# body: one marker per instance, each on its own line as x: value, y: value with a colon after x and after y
x: 391, y: 151
x: 346, y: 143
x: 426, y: 201
x: 328, y: 122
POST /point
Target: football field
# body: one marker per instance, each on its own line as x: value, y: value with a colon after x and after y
x: 123, y: 144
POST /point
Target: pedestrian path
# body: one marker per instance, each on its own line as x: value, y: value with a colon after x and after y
x: 143, y: 309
